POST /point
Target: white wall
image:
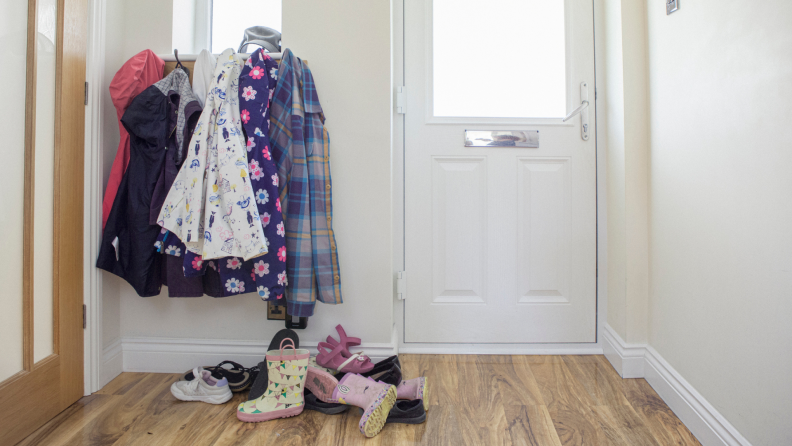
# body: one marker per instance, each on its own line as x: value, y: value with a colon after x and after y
x: 721, y: 208
x: 626, y: 127
x: 347, y: 46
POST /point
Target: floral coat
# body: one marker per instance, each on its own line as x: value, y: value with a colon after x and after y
x: 266, y: 275
x: 211, y: 205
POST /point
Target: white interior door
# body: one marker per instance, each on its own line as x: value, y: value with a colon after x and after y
x: 500, y: 243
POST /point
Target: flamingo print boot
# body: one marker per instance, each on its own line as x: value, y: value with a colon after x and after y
x: 375, y: 398
x: 284, y: 395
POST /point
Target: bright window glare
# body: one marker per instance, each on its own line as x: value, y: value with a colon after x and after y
x: 500, y: 58
x: 230, y: 19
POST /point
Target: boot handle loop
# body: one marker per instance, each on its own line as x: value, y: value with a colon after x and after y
x: 290, y: 344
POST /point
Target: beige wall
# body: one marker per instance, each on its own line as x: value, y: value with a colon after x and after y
x: 721, y: 208
x: 348, y: 48
x: 624, y: 98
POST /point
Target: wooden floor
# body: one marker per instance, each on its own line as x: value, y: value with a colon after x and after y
x: 474, y: 400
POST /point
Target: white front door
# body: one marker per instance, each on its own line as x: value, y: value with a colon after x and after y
x: 500, y: 243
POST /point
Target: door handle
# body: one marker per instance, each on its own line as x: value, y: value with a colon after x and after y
x: 576, y: 111
x: 584, y: 103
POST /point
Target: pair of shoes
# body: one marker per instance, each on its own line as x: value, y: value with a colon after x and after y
x: 375, y: 398
x: 239, y: 378
x: 286, y: 374
x: 203, y: 387
x: 331, y: 395
x: 387, y: 371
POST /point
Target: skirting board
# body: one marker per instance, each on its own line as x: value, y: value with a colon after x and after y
x: 627, y: 359
x: 112, y: 362
x: 500, y: 349
x: 642, y: 361
x: 164, y: 355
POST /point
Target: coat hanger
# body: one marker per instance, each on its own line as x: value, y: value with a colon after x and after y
x: 179, y: 64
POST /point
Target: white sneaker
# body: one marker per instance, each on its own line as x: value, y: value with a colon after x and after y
x: 203, y: 388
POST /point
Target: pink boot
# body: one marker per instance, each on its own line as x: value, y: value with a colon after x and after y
x: 413, y: 389
x: 375, y: 398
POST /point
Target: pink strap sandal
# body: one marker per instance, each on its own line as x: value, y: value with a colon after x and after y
x: 344, y: 340
x: 332, y: 358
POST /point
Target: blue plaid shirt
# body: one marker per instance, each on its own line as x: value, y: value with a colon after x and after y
x: 301, y: 151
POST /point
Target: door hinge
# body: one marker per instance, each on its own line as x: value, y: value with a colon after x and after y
x: 401, y: 100
x: 86, y: 93
x: 85, y: 323
x: 401, y: 285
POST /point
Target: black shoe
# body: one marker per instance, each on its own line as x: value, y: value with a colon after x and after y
x: 406, y: 412
x: 261, y: 382
x: 392, y: 376
x: 383, y: 366
x: 314, y: 403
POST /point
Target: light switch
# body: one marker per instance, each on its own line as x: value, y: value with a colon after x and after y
x: 672, y: 6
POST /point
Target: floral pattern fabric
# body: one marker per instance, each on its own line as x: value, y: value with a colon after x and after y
x: 266, y: 274
x: 210, y: 206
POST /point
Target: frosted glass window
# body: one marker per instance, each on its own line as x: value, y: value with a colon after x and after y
x: 44, y: 201
x: 230, y: 19
x: 13, y: 53
x: 499, y: 58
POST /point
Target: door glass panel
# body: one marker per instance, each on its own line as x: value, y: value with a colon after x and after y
x: 44, y: 185
x: 500, y: 58
x: 13, y: 49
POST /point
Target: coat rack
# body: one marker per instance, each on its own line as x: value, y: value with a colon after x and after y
x: 187, y: 61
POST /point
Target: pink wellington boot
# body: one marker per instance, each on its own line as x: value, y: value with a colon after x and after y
x: 414, y: 389
x: 375, y: 398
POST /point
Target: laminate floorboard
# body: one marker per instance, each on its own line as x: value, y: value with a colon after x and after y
x: 473, y: 400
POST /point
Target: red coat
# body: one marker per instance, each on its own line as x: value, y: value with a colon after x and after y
x: 137, y: 74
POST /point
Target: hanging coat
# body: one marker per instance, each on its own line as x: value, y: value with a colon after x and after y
x: 265, y: 275
x: 301, y: 150
x: 214, y: 180
x: 127, y: 247
x: 137, y: 74
x: 184, y: 111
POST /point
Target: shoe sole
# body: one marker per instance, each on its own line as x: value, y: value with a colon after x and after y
x: 321, y: 384
x: 424, y: 395
x: 266, y: 416
x: 417, y: 420
x: 219, y: 399
x: 376, y: 415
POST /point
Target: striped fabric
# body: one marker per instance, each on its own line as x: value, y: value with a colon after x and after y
x: 301, y: 150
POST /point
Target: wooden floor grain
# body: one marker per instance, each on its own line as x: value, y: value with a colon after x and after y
x: 473, y: 400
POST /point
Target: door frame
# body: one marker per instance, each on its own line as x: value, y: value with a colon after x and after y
x: 398, y: 174
x: 96, y: 368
